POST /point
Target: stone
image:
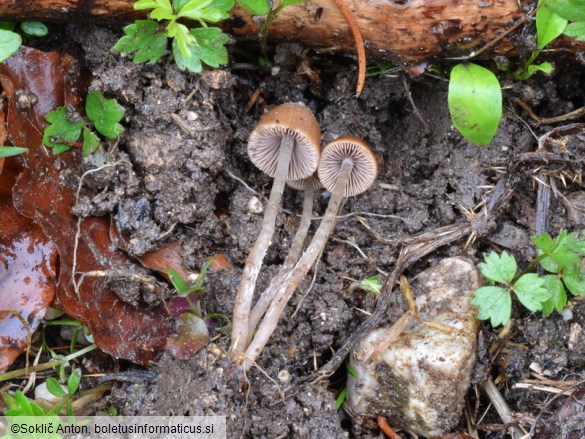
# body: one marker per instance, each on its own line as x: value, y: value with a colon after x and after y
x: 418, y: 377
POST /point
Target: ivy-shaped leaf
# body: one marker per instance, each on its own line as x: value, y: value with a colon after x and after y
x: 61, y: 129
x: 105, y: 114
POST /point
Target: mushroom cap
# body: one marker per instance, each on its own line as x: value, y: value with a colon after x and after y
x: 292, y: 120
x: 311, y: 182
x: 365, y: 166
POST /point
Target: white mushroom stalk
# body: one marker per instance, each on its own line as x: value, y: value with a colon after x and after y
x: 284, y: 144
x: 347, y: 168
x: 308, y: 186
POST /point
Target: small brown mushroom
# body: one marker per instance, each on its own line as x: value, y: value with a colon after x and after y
x: 308, y: 186
x: 285, y: 145
x: 347, y: 167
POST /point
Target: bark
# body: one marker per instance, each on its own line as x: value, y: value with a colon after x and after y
x: 401, y: 30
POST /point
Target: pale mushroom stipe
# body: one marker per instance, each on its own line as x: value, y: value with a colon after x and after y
x: 347, y: 168
x: 308, y: 186
x: 285, y: 145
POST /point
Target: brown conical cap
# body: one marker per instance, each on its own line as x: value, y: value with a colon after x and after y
x: 293, y: 120
x: 365, y: 166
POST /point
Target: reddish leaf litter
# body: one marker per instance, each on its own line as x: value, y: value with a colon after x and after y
x: 47, y: 81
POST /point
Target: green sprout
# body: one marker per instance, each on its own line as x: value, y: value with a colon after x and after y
x: 560, y: 258
x: 66, y: 126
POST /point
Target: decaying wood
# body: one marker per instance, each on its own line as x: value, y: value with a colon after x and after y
x: 402, y: 30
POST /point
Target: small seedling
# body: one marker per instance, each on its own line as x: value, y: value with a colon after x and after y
x: 147, y: 39
x: 11, y: 35
x: 372, y: 285
x: 475, y: 97
x: 560, y: 257
x: 66, y: 126
x: 343, y: 394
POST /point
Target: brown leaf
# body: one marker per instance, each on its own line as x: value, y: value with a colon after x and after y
x: 134, y: 333
x: 27, y: 274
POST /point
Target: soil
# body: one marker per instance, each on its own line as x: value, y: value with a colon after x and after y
x: 191, y: 182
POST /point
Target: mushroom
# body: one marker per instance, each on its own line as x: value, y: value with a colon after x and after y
x: 347, y: 168
x: 308, y: 186
x: 285, y: 145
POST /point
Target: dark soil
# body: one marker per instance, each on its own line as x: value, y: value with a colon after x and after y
x: 191, y: 182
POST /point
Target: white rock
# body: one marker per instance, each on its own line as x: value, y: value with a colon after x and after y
x: 420, y: 380
x: 255, y: 205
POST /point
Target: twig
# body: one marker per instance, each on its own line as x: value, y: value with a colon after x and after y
x: 359, y: 44
x: 502, y: 408
x: 497, y: 39
x: 385, y: 427
x: 575, y: 114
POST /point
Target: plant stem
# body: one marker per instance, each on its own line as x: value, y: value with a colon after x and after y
x: 300, y: 270
x: 254, y: 261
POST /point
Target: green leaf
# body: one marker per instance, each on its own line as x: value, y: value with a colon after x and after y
x: 145, y: 4
x: 576, y: 30
x: 499, y: 268
x: 61, y: 129
x: 180, y: 285
x: 549, y: 26
x: 184, y: 39
x: 193, y: 9
x: 544, y: 242
x: 144, y: 37
x: 571, y: 10
x: 558, y: 296
x: 192, y: 63
x: 531, y: 292
x: 494, y: 303
x: 55, y: 388
x: 255, y: 7
x: 34, y: 28
x: 290, y: 2
x: 575, y: 282
x: 475, y: 102
x: 350, y: 370
x: 178, y: 4
x: 222, y: 5
x: 9, y: 151
x: 340, y: 399
x: 210, y: 46
x: 91, y: 142
x: 372, y: 285
x: 73, y: 382
x: 9, y: 44
x: 105, y: 114
x: 544, y: 67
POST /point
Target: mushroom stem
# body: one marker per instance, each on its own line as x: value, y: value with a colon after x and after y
x: 300, y: 270
x: 293, y: 254
x: 254, y: 261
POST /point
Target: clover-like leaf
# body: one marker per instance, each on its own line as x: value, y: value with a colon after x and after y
x: 494, y: 303
x: 499, y: 268
x: 575, y: 281
x: 558, y: 295
x: 210, y: 45
x: 61, y: 131
x: 531, y: 292
x: 91, y: 142
x: 146, y: 38
x: 9, y: 43
x: 105, y: 114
